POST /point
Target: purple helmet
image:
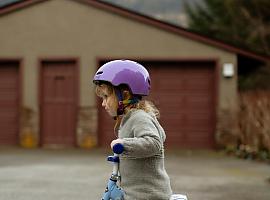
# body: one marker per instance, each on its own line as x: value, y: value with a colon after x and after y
x: 126, y: 72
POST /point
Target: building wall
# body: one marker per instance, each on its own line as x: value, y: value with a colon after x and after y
x: 64, y: 28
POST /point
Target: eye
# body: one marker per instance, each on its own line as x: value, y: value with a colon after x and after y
x: 104, y: 96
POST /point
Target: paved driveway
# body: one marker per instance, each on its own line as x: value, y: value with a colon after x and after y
x: 74, y: 174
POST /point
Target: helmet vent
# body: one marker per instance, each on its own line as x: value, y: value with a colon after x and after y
x: 149, y: 82
x: 98, y: 73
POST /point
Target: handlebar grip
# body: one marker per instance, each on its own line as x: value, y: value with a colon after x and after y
x: 118, y: 148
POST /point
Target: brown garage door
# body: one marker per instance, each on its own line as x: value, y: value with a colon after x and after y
x: 9, y: 102
x: 184, y: 93
x: 58, y: 102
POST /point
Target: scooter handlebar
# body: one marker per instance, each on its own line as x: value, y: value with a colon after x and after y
x: 118, y: 148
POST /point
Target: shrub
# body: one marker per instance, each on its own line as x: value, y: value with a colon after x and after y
x: 246, y: 131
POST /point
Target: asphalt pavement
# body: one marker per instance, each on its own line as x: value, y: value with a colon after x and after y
x: 77, y: 174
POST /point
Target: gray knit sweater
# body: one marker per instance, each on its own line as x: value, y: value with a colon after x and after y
x: 143, y: 176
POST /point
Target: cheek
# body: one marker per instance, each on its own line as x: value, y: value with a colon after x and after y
x: 113, y: 103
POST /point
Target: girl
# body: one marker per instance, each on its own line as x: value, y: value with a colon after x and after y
x: 121, y: 84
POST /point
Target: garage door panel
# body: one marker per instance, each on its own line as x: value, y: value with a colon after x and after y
x: 197, y: 106
x: 188, y: 86
x: 8, y: 128
x: 8, y: 115
x: 202, y: 125
x: 170, y: 124
x: 198, y: 86
x: 8, y: 80
x: 198, y: 138
x: 178, y: 108
x: 8, y: 97
x: 171, y: 107
x: 174, y: 138
x: 169, y: 83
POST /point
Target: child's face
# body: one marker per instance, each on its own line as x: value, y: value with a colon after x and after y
x: 109, y: 100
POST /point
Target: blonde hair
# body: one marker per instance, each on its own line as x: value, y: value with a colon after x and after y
x: 149, y: 107
x: 104, y: 86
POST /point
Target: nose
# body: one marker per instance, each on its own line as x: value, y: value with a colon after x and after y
x: 103, y: 102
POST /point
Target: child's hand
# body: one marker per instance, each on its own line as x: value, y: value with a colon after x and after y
x: 115, y: 142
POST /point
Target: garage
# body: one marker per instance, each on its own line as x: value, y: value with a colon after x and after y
x: 184, y: 92
x: 9, y: 102
x: 194, y: 77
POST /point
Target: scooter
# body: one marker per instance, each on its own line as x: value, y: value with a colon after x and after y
x: 113, y: 191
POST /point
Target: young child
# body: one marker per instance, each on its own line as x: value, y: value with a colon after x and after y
x: 122, y: 84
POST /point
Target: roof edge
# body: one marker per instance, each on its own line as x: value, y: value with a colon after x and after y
x: 18, y: 5
x: 175, y: 29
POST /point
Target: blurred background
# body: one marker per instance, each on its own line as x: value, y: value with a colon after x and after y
x: 208, y: 61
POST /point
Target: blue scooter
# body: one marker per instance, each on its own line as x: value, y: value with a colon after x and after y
x: 113, y: 191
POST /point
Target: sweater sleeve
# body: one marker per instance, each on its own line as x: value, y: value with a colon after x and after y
x: 146, y: 140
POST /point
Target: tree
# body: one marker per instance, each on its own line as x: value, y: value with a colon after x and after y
x: 240, y: 22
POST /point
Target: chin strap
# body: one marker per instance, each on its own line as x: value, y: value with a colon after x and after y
x: 122, y: 104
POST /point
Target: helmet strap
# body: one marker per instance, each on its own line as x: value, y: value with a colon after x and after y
x: 120, y: 108
x: 122, y: 104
